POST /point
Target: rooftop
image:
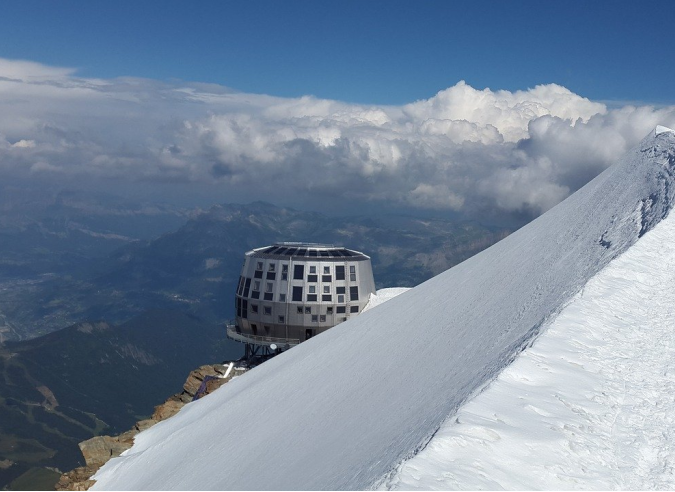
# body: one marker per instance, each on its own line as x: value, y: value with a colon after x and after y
x: 308, y: 250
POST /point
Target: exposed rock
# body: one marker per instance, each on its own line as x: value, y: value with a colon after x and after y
x: 77, y: 479
x: 167, y: 409
x: 98, y: 450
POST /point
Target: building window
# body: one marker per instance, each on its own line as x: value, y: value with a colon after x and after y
x: 271, y: 276
x: 269, y: 287
x: 255, y: 295
x: 339, y: 272
x: 284, y: 272
x: 312, y: 278
x: 298, y: 272
x: 299, y: 309
x: 339, y: 290
x: 282, y: 297
x: 247, y: 287
x: 354, y: 309
x: 256, y: 285
x: 322, y: 318
x: 281, y: 319
x: 352, y: 273
x: 269, y: 296
x: 315, y: 318
x: 312, y: 289
x: 341, y: 298
x: 254, y: 308
x: 257, y: 274
x: 271, y: 267
x: 259, y: 265
x: 326, y: 289
x: 326, y: 278
x: 340, y: 309
x: 354, y: 293
x: 312, y: 269
x: 311, y: 297
x: 308, y: 310
x: 344, y: 319
x: 327, y: 297
x: 329, y: 310
x: 254, y: 328
x: 326, y: 270
x: 267, y: 310
x: 297, y: 294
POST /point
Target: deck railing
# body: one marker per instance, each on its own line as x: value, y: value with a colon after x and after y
x: 234, y: 334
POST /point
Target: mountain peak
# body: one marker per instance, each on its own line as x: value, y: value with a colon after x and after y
x: 662, y: 129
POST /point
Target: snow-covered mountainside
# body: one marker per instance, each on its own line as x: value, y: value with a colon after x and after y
x: 345, y: 408
x: 591, y: 406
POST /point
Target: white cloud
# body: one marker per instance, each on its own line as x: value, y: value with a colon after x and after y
x: 463, y: 149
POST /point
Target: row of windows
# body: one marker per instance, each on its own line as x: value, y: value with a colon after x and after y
x: 299, y: 272
x: 243, y: 307
x: 297, y: 292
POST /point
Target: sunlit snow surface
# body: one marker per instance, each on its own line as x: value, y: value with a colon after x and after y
x: 590, y: 406
x: 345, y: 408
x: 384, y: 295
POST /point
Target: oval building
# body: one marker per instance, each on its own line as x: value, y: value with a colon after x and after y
x: 290, y: 292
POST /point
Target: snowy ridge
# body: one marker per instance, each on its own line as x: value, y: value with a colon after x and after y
x: 589, y: 406
x: 342, y: 410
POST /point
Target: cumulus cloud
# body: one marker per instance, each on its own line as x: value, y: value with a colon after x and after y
x: 464, y: 149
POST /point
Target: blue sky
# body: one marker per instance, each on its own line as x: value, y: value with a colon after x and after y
x: 368, y: 52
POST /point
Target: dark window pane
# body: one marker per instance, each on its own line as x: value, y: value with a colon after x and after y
x: 326, y: 297
x: 247, y: 287
x: 340, y: 272
x: 312, y: 278
x: 354, y: 309
x: 326, y: 278
x: 308, y: 310
x: 297, y: 294
x: 258, y: 274
x: 301, y: 252
x: 271, y: 276
x: 339, y: 290
x: 340, y: 309
x: 354, y: 293
x: 269, y: 296
x: 299, y: 309
x: 298, y: 272
x: 311, y: 297
x: 255, y: 295
x: 322, y: 318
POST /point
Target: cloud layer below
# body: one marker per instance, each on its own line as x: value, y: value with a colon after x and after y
x: 466, y: 150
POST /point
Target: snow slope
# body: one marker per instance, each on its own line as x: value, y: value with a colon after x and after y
x: 384, y: 295
x: 343, y: 409
x: 591, y: 406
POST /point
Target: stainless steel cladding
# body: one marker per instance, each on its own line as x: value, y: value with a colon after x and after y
x: 290, y: 292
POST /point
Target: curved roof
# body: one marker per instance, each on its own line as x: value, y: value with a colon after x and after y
x: 307, y: 250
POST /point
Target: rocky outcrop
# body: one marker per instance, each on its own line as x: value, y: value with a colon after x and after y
x: 98, y: 450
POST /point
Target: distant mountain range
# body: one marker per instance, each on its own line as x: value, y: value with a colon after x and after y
x: 194, y: 268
